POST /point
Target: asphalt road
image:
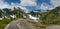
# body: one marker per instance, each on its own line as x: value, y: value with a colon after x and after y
x: 20, y: 24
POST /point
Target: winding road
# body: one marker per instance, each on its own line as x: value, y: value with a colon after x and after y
x: 20, y: 24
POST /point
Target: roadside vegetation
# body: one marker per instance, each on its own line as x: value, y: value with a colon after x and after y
x: 6, y: 12
x: 4, y: 22
x: 51, y: 17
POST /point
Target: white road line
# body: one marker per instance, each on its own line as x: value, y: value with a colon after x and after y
x: 7, y: 26
x: 19, y: 26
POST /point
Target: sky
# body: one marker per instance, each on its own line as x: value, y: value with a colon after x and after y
x: 30, y: 4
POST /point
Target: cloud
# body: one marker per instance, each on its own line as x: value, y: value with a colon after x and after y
x: 21, y: 5
x: 45, y: 6
x: 28, y: 2
x: 6, y: 5
x: 24, y: 3
x: 55, y: 2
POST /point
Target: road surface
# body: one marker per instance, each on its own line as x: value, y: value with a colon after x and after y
x: 20, y: 24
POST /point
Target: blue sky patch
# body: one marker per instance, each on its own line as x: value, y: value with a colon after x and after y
x: 31, y: 7
x: 14, y: 1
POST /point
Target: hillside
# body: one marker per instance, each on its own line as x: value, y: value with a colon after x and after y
x: 51, y: 17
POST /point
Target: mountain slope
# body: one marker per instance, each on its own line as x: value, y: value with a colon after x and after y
x: 51, y: 17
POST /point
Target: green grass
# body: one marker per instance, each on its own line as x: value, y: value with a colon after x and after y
x: 48, y: 22
x: 5, y: 21
x: 50, y: 17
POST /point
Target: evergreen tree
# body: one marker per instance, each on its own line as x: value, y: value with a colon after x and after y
x: 0, y: 13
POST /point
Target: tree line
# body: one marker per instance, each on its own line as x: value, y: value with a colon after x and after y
x: 15, y: 11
